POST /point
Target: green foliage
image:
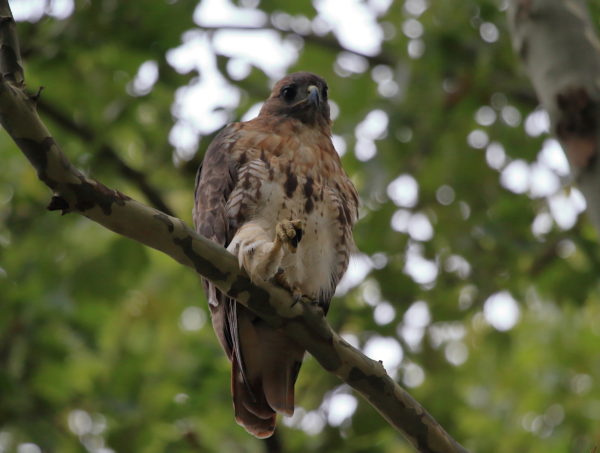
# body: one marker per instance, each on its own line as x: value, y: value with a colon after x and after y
x: 94, y: 345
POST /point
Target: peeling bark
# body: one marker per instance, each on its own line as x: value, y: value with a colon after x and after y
x: 305, y: 323
x: 559, y: 46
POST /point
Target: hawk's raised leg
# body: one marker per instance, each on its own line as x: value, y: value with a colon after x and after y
x: 259, y: 253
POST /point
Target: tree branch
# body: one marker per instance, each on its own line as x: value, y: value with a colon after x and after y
x: 305, y: 323
x: 558, y: 44
x: 11, y: 66
x: 106, y: 151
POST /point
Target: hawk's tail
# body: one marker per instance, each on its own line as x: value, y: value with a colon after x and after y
x: 255, y: 415
x: 270, y: 362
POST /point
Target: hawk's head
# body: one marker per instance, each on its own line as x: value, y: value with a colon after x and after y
x: 301, y: 95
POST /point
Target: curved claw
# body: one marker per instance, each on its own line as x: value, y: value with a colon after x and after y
x: 290, y: 232
x: 304, y: 299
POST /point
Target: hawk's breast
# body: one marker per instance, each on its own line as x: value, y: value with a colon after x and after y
x: 278, y: 183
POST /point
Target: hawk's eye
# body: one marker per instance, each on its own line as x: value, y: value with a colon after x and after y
x: 288, y: 92
x: 324, y: 92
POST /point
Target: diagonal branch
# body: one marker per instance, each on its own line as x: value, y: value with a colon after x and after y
x: 86, y: 134
x: 74, y: 192
x: 11, y: 66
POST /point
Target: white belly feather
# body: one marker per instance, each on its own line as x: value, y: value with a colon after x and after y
x: 310, y: 268
x: 261, y: 199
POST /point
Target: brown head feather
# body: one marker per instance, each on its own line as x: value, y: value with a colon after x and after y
x: 301, y: 95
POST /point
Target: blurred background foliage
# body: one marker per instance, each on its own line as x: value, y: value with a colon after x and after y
x: 477, y: 277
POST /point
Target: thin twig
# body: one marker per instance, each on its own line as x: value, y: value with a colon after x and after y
x: 107, y: 152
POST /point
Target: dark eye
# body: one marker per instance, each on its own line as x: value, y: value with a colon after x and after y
x: 288, y: 93
x: 324, y: 92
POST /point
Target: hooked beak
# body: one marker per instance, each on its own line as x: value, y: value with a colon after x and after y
x: 314, y: 96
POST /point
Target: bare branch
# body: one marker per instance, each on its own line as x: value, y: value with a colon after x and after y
x: 305, y: 323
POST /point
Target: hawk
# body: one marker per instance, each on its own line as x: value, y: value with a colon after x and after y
x: 273, y: 192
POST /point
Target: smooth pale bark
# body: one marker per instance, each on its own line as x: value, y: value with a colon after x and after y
x: 559, y: 47
x: 305, y: 323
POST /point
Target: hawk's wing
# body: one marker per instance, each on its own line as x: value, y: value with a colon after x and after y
x: 215, y: 181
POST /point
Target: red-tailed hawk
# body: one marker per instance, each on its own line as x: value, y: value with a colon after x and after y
x: 272, y: 190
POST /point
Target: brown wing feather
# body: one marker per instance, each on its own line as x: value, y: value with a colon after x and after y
x: 215, y: 181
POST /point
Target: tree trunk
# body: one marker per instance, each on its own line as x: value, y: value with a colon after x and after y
x: 559, y: 46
